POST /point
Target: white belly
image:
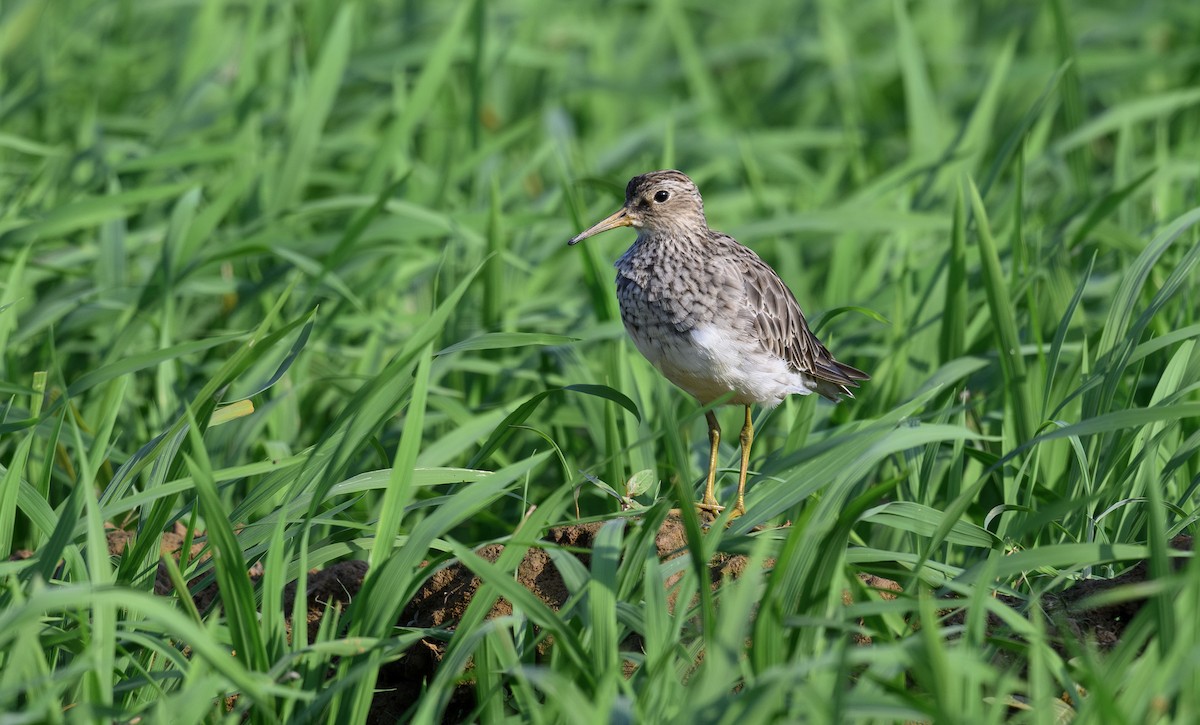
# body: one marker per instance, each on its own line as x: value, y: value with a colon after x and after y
x: 708, y: 363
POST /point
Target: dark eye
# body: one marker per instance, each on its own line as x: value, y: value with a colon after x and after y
x: 662, y: 196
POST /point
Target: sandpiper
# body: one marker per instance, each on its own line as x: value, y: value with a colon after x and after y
x: 711, y: 315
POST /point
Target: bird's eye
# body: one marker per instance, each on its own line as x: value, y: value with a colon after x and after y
x: 662, y: 196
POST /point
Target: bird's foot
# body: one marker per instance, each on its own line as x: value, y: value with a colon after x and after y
x: 710, y: 509
x: 710, y: 505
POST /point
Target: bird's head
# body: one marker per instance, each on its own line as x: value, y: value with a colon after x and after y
x: 660, y: 202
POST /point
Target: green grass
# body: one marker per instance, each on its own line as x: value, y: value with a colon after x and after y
x: 354, y: 216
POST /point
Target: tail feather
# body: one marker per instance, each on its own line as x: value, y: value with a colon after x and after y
x: 836, y: 378
x: 851, y: 372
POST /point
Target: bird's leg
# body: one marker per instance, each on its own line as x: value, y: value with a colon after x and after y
x: 747, y: 439
x: 714, y: 438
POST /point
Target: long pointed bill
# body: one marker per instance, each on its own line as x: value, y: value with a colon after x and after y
x: 619, y: 219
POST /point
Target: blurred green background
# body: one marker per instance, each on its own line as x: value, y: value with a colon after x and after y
x: 354, y: 216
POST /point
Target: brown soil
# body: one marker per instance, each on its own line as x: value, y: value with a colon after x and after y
x: 443, y: 598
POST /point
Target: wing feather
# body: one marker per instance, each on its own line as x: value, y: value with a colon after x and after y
x: 781, y: 327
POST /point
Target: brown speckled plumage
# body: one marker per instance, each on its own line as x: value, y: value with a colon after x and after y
x: 710, y: 314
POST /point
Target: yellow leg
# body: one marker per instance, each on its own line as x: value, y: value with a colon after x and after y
x: 714, y: 438
x: 747, y: 439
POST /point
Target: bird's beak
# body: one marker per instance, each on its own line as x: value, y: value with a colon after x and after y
x: 619, y: 219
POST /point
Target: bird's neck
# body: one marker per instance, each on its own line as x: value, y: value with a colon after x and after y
x: 673, y: 238
x: 658, y: 255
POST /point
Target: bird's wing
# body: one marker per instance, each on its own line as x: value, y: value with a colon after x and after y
x: 781, y: 326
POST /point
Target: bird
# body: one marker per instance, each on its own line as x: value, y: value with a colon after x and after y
x: 712, y: 316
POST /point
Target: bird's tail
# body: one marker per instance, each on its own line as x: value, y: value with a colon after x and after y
x: 838, y: 379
